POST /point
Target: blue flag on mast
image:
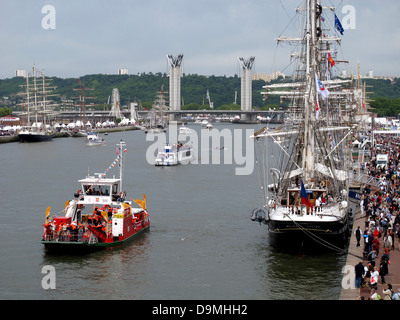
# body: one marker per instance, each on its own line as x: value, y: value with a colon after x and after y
x: 338, y: 25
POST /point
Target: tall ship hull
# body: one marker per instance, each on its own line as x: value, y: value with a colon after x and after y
x: 305, y: 162
x: 34, y: 137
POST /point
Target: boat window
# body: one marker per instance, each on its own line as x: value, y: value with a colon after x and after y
x: 292, y: 197
x: 188, y: 153
x: 115, y: 189
x: 95, y: 190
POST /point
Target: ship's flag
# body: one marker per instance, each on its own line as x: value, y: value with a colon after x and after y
x: 330, y: 59
x: 338, y: 25
x: 316, y: 108
x: 304, y: 197
x: 321, y: 88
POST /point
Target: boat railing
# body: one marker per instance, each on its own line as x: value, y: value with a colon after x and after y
x: 92, y: 238
x: 299, y: 210
x: 67, y: 236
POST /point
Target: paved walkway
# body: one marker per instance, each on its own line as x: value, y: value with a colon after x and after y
x: 356, y: 253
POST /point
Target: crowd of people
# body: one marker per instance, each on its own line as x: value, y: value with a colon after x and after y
x: 380, y: 208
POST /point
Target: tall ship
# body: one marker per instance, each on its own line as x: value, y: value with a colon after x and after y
x: 304, y: 163
x: 100, y: 215
x: 39, y: 107
x: 157, y: 121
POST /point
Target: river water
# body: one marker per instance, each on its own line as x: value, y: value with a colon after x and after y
x: 201, y: 244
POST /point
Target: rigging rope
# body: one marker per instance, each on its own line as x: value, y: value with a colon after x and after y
x: 322, y: 241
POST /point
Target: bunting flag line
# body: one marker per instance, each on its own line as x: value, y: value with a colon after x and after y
x: 112, y: 165
x: 330, y: 59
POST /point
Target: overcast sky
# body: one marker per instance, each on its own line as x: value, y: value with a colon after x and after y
x: 101, y: 36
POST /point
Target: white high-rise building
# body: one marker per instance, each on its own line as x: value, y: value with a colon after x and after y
x: 122, y: 71
x: 20, y: 73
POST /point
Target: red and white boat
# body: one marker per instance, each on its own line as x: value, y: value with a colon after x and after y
x: 99, y: 216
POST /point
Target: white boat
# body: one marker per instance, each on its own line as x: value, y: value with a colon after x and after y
x: 173, y: 155
x: 79, y: 133
x: 204, y: 123
x: 185, y: 130
x: 305, y: 177
x: 94, y: 139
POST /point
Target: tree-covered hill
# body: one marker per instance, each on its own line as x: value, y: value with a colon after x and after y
x: 384, y: 94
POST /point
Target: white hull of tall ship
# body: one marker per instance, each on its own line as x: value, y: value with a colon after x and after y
x: 174, y: 155
x: 328, y: 221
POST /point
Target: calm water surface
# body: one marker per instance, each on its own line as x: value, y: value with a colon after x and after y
x: 201, y: 244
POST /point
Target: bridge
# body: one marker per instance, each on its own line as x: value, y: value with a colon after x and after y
x: 96, y: 116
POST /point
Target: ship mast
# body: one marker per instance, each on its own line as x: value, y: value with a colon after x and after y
x: 309, y: 95
x: 121, y: 151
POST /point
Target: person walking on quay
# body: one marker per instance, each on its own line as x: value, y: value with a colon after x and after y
x: 375, y: 245
x: 387, y: 242
x: 391, y: 235
x: 359, y: 270
x: 374, y: 295
x: 371, y: 257
x: 396, y: 295
x: 383, y: 269
x: 387, y: 292
x: 374, y: 278
x: 358, y: 235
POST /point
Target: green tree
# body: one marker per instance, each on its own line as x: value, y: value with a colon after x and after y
x: 5, y: 111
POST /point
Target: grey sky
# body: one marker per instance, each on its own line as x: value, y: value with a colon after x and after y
x: 99, y: 36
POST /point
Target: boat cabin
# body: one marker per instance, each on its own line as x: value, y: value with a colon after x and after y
x: 99, y: 190
x: 294, y: 197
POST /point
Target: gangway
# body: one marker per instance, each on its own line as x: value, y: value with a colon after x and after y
x: 364, y: 178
